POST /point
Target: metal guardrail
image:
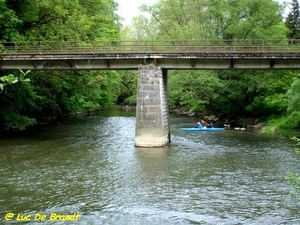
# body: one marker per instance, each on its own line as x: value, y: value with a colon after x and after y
x: 169, y: 46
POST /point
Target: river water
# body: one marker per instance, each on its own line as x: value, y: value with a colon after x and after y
x: 87, y: 167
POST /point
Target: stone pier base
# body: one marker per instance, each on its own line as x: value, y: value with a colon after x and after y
x: 152, y: 111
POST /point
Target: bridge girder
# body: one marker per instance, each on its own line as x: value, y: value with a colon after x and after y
x: 132, y: 61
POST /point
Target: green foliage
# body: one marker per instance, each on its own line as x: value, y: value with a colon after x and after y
x: 89, y: 91
x: 238, y: 92
x: 293, y: 95
x: 16, y: 120
x: 128, y: 87
x: 73, y: 92
x: 273, y: 124
x: 293, y: 20
x: 232, y: 94
x: 12, y: 79
x: 50, y: 95
x: 9, y: 24
x: 67, y: 19
x: 23, y: 74
x: 193, y: 90
x: 18, y: 106
x: 246, y: 19
x: 8, y: 79
x: 289, y: 123
x: 255, y: 94
x: 139, y: 30
x: 227, y: 19
x: 292, y: 121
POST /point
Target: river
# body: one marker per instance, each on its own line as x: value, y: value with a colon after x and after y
x: 86, y: 170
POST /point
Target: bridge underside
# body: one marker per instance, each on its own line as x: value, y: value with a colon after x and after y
x: 132, y: 61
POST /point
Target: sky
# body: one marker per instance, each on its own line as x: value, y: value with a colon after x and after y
x: 130, y: 8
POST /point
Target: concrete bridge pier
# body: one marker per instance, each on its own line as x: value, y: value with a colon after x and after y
x: 152, y: 111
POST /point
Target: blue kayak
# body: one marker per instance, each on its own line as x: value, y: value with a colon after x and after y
x: 202, y: 129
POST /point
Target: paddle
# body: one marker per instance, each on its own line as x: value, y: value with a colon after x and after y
x: 202, y: 121
x: 207, y: 124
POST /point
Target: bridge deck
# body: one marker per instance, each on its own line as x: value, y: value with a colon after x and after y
x: 197, y: 54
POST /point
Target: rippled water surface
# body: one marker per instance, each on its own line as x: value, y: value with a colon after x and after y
x: 88, y: 165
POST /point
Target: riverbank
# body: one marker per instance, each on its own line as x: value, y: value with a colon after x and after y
x: 253, y: 123
x: 288, y: 126
x: 280, y: 129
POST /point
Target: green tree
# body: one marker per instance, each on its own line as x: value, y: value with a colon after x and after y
x: 285, y: 98
x: 67, y: 19
x: 12, y: 79
x: 128, y: 87
x: 9, y: 24
x: 293, y: 20
x: 227, y: 19
x: 140, y: 29
x: 173, y: 19
x: 18, y: 102
x: 194, y: 90
x: 294, y: 96
x: 52, y: 94
x: 256, y: 94
x: 74, y: 92
x: 255, y: 19
x: 293, y: 110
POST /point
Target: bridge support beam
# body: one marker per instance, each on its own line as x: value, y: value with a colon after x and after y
x: 152, y: 111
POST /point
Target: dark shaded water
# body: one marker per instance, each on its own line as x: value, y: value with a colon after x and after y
x: 88, y: 165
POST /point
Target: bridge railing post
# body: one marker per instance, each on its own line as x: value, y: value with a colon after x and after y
x: 152, y: 45
x: 234, y: 45
x: 41, y: 47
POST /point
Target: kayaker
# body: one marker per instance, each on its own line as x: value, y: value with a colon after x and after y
x: 210, y: 125
x: 199, y: 125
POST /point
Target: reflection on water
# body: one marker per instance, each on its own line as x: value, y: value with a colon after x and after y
x: 153, y: 161
x: 89, y: 165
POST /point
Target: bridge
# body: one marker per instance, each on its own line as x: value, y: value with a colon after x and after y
x: 153, y: 59
x: 171, y: 54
